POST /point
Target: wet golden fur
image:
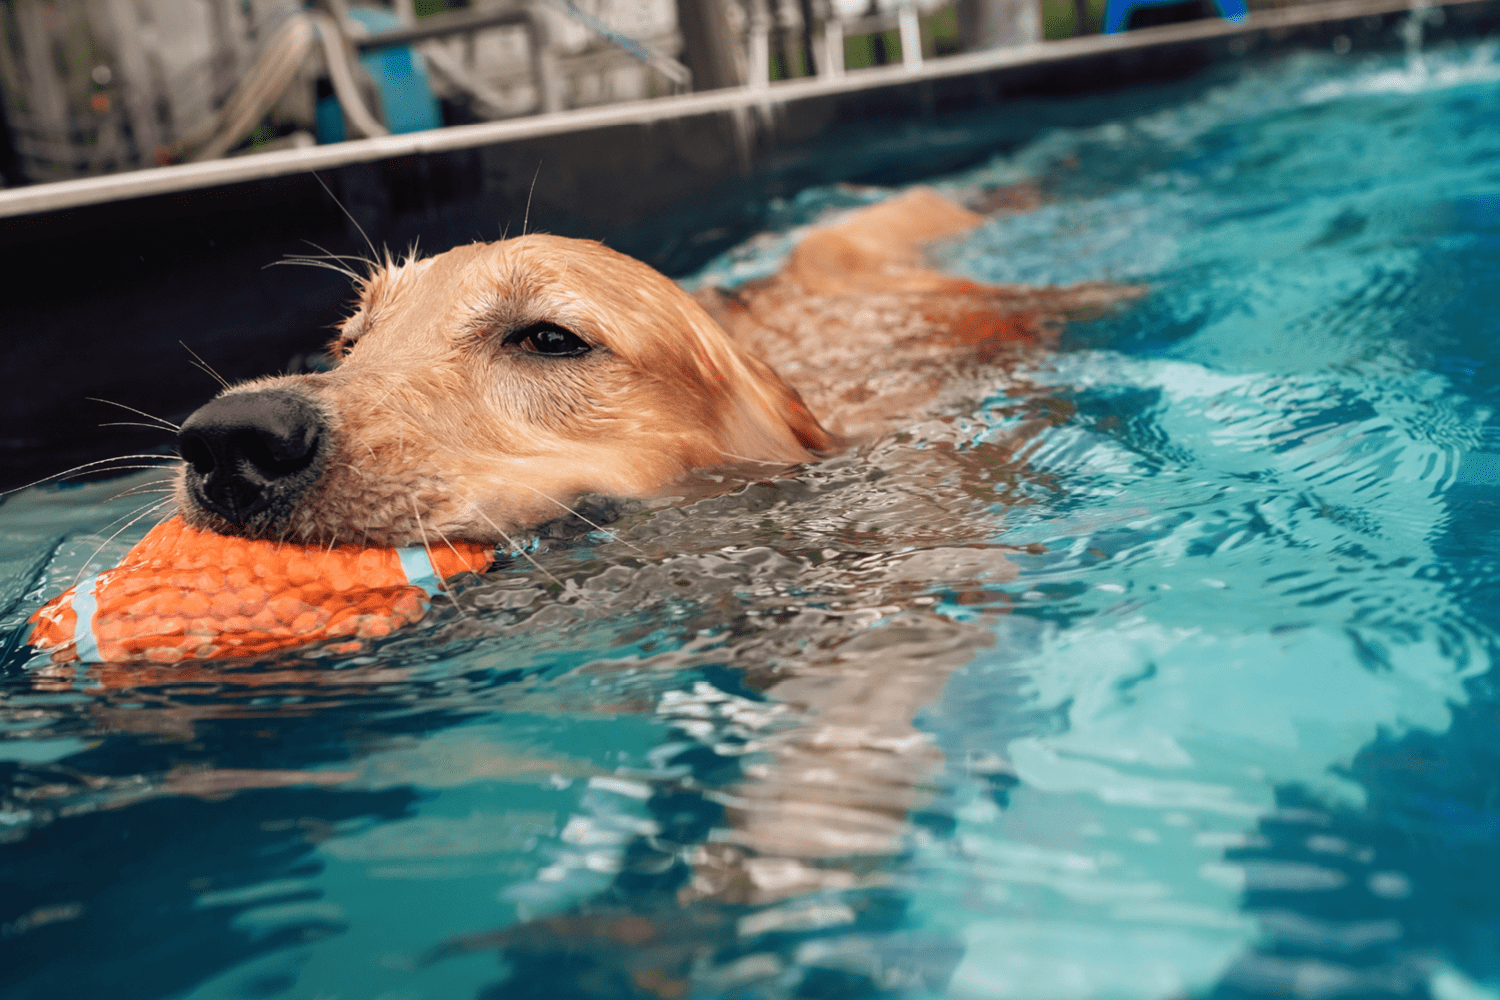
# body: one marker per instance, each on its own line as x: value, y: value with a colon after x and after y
x: 440, y: 428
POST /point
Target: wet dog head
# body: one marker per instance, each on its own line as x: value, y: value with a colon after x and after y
x: 480, y: 390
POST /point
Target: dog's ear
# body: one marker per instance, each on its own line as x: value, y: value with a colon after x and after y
x: 810, y: 434
x: 726, y: 311
x: 775, y: 400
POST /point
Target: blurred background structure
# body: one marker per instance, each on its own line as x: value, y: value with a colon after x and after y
x: 99, y: 86
x: 673, y: 131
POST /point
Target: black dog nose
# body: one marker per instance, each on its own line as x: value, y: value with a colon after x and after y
x: 249, y: 451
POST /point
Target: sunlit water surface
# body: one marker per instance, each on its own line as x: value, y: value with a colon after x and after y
x: 1163, y: 671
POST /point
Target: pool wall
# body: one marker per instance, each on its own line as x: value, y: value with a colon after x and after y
x: 108, y: 278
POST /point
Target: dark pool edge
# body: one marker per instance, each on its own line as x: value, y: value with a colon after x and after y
x: 1279, y: 27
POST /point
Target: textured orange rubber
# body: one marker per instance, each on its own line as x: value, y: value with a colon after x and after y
x: 187, y: 594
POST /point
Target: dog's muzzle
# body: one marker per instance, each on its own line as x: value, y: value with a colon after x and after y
x: 251, y: 455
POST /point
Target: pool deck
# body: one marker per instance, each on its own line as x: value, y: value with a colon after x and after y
x: 107, y: 277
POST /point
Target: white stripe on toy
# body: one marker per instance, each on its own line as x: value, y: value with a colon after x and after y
x: 417, y: 565
x: 85, y: 606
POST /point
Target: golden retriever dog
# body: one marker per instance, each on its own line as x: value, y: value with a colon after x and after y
x: 483, y: 390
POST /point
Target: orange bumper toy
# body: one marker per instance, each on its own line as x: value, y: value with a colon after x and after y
x: 184, y: 594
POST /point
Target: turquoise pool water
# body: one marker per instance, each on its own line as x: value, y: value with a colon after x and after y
x: 1159, y: 667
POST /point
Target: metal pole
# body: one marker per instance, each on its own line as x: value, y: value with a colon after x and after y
x: 911, y: 37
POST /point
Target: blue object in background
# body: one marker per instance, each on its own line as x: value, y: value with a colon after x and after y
x: 405, y: 94
x: 330, y: 120
x: 1117, y: 12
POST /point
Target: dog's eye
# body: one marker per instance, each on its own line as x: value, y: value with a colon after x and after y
x: 546, y: 338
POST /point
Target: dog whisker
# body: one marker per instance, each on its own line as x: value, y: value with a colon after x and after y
x: 137, y: 423
x: 140, y: 513
x: 328, y: 552
x: 347, y: 214
x: 329, y: 255
x: 211, y: 373
x: 422, y: 533
x: 148, y: 506
x: 140, y: 413
x: 526, y: 216
x: 326, y: 259
x: 126, y: 468
x: 512, y: 542
x: 315, y: 262
x: 552, y: 499
x: 200, y: 363
x: 143, y: 488
x: 136, y: 493
x: 92, y: 465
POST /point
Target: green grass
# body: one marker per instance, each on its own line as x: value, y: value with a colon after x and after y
x: 940, y: 33
x: 939, y: 38
x: 1059, y: 19
x: 859, y: 50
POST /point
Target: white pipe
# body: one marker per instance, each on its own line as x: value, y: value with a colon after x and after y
x: 759, y: 45
x: 344, y: 87
x: 274, y: 70
x: 911, y: 37
x: 832, y: 35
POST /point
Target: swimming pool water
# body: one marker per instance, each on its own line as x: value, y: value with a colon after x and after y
x: 1161, y: 666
